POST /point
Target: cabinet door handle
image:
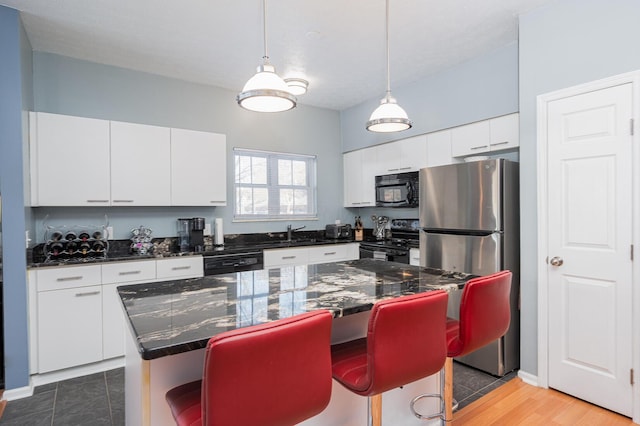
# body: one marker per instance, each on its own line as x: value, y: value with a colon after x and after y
x: 129, y: 272
x: 479, y: 147
x: 357, y: 203
x: 76, y: 278
x: 288, y: 257
x: 392, y: 170
x: 180, y: 268
x: 405, y: 168
x: 214, y: 201
x: 88, y: 293
x: 500, y: 143
x: 123, y: 201
x: 97, y: 201
x: 330, y: 253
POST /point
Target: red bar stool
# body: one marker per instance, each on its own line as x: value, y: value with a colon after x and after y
x: 405, y: 342
x: 485, y: 314
x: 282, y: 367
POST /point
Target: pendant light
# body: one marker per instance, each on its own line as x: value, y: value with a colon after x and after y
x: 389, y: 116
x: 266, y: 91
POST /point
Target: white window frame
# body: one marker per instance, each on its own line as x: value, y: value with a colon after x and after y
x: 273, y: 187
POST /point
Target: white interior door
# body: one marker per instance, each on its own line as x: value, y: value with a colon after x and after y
x: 589, y: 246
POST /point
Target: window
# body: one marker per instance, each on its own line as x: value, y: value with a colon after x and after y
x: 272, y: 185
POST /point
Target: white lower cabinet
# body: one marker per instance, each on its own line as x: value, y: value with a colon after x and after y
x: 75, y: 313
x: 69, y: 327
x: 276, y: 258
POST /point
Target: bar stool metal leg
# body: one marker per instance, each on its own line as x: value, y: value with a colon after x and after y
x: 440, y: 414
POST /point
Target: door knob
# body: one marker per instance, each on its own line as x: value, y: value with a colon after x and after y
x: 556, y: 261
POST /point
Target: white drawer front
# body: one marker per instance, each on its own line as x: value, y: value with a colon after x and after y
x: 328, y: 253
x: 180, y: 267
x: 126, y: 272
x: 285, y: 257
x: 68, y: 277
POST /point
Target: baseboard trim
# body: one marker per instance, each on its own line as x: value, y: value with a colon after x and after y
x: 19, y: 393
x: 528, y: 378
x: 57, y: 376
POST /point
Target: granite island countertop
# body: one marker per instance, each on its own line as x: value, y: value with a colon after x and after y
x: 172, y: 317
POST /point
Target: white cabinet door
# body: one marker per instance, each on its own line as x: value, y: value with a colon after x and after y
x: 505, y: 132
x: 367, y: 193
x: 352, y: 178
x: 405, y: 155
x: 69, y: 327
x: 179, y: 268
x: 439, y: 149
x: 198, y: 168
x: 471, y: 139
x: 113, y: 322
x: 32, y: 306
x: 333, y: 253
x: 274, y: 258
x: 140, y: 165
x: 69, y: 160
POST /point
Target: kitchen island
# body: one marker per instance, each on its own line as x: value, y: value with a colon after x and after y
x: 171, y: 322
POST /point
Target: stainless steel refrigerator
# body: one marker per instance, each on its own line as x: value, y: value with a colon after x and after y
x: 469, y: 219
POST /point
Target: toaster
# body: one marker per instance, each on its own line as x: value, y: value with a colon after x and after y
x: 337, y: 231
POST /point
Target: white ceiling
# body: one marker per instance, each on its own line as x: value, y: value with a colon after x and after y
x: 338, y: 45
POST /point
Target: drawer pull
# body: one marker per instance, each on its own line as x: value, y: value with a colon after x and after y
x: 76, y: 278
x: 288, y: 257
x: 180, y: 268
x: 123, y: 201
x: 331, y: 253
x: 479, y: 147
x: 129, y: 272
x: 97, y: 201
x: 88, y: 293
x: 500, y: 143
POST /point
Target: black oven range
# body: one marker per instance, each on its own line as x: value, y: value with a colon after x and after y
x: 405, y: 235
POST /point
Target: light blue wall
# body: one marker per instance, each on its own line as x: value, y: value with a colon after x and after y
x: 69, y: 86
x: 484, y: 87
x: 566, y: 43
x: 12, y: 78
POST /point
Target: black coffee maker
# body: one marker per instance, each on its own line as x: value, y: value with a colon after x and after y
x: 191, y: 234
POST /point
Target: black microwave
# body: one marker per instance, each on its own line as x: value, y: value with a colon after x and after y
x: 398, y: 190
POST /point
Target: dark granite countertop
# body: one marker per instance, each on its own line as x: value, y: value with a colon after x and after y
x: 119, y: 250
x: 178, y: 316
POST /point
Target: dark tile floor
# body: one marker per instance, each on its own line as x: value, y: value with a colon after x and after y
x: 98, y: 399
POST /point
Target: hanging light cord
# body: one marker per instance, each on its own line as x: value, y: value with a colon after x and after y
x: 387, y: 38
x: 264, y: 30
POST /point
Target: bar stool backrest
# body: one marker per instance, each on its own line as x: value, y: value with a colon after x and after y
x: 275, y: 373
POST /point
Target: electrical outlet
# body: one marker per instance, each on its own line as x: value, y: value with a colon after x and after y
x: 109, y: 235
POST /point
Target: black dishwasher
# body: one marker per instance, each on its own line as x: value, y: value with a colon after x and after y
x: 233, y: 262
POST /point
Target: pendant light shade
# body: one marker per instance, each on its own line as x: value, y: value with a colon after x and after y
x: 389, y: 116
x: 266, y: 91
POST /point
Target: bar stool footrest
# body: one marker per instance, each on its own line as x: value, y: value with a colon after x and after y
x: 438, y: 415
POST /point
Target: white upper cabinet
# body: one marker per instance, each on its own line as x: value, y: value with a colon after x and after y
x: 505, y: 132
x: 69, y: 160
x: 140, y: 164
x: 78, y: 161
x: 198, y: 168
x: 359, y: 177
x: 496, y: 134
x: 470, y: 139
x: 405, y: 155
x: 439, y: 148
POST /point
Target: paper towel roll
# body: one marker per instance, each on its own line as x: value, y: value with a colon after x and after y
x: 218, y: 233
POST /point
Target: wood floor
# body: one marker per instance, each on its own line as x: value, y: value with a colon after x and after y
x: 517, y: 403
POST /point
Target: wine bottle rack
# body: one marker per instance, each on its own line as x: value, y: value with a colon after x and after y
x: 75, y: 243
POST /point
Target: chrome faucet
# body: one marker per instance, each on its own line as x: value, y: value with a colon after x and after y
x: 291, y: 231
